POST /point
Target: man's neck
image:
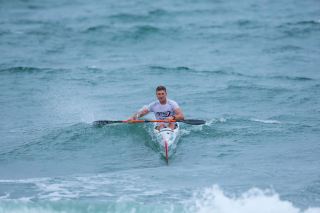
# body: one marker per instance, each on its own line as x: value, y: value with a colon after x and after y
x: 163, y: 102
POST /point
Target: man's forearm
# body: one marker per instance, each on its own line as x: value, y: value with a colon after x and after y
x: 140, y: 114
x: 179, y: 117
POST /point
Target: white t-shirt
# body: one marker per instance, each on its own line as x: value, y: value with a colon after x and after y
x: 162, y: 111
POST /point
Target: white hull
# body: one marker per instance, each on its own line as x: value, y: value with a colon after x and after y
x: 167, y: 140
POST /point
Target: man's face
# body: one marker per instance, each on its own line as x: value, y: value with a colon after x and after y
x: 161, y: 95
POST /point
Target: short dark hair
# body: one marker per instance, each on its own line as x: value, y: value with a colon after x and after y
x: 159, y: 88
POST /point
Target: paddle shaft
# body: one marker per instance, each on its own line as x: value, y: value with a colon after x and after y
x: 187, y: 121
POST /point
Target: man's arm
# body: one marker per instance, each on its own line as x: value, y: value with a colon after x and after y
x: 178, y: 114
x: 139, y: 114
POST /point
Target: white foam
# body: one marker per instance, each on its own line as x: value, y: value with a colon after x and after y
x: 189, y: 129
x: 184, y: 132
x: 255, y: 200
x: 199, y: 128
x: 87, y: 117
x: 25, y: 209
x: 215, y: 120
x: 266, y: 121
x: 30, y: 180
x: 73, y: 187
x: 4, y: 196
x: 221, y: 120
x: 127, y: 189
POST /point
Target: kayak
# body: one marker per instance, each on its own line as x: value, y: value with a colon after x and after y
x: 167, y: 140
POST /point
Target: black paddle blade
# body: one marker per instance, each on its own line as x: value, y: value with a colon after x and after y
x: 193, y: 121
x: 105, y: 122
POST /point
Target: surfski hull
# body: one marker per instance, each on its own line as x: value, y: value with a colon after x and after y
x: 167, y: 140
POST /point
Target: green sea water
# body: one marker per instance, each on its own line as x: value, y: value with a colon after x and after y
x: 250, y: 69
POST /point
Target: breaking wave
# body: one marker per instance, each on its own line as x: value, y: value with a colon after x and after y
x: 214, y: 199
x: 211, y: 199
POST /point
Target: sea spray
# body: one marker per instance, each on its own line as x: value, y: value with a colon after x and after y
x: 214, y: 199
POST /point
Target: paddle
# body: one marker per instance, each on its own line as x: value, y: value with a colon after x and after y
x: 187, y: 121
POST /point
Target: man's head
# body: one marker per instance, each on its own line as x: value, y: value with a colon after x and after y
x: 161, y: 93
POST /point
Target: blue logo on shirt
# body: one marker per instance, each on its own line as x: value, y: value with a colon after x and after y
x: 163, y: 114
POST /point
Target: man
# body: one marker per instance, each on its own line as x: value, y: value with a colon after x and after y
x: 164, y: 109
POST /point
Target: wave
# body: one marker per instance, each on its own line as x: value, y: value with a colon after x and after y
x: 183, y: 69
x: 157, y: 69
x: 21, y: 69
x: 283, y: 49
x: 111, y: 34
x: 214, y: 199
x: 202, y: 129
x: 143, y: 32
x: 97, y: 28
x: 85, y: 207
x: 129, y: 17
x: 256, y: 87
x: 4, y: 32
x: 215, y: 121
x: 52, y: 139
x: 248, y: 24
x: 230, y: 126
x: 300, y: 28
x: 303, y: 23
x: 71, y: 138
x: 100, y: 187
x: 211, y: 199
x: 158, y: 12
x: 292, y: 78
x: 29, y: 70
x: 144, y: 29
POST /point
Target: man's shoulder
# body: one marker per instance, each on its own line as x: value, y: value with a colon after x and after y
x: 154, y: 103
x: 172, y: 102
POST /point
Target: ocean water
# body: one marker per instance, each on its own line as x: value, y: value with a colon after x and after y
x: 249, y: 68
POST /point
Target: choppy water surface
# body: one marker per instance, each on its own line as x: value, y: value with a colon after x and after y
x: 249, y: 68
